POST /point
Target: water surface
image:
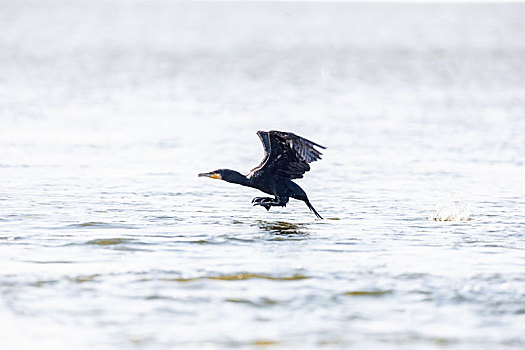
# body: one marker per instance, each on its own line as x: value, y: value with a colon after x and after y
x: 110, y: 109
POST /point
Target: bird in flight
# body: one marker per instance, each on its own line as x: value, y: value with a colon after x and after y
x: 286, y: 157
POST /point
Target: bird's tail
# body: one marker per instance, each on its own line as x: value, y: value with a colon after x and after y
x: 312, y: 208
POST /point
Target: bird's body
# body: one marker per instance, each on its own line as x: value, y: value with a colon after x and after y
x: 286, y: 157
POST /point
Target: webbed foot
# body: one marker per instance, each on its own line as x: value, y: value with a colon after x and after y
x: 263, y: 201
x: 258, y: 199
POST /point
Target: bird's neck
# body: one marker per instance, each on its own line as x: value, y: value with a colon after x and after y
x: 237, y: 178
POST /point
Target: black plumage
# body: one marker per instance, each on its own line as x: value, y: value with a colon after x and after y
x: 286, y: 157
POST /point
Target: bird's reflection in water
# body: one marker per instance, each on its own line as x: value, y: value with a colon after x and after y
x: 282, y: 228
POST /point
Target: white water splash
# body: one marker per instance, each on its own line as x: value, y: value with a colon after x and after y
x: 451, y: 209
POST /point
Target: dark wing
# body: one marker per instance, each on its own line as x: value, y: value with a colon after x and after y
x: 265, y: 139
x: 286, y: 154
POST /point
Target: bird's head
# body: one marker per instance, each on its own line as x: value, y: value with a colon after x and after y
x: 216, y: 174
x: 226, y: 175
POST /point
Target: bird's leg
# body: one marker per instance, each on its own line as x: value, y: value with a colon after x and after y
x: 257, y: 200
x: 270, y: 202
x: 263, y: 201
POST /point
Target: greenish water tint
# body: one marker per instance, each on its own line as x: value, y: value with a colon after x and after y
x: 359, y: 293
x: 107, y: 241
x: 242, y: 277
x: 110, y: 109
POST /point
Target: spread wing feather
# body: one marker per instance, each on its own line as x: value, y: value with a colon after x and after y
x: 286, y: 154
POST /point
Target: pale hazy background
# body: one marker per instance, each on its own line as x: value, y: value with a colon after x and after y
x: 109, y: 109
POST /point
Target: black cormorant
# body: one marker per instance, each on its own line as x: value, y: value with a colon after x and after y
x: 286, y: 157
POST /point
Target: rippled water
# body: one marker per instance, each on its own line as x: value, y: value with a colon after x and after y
x: 108, y: 239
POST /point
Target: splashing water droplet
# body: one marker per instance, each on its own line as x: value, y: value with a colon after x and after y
x: 451, y: 209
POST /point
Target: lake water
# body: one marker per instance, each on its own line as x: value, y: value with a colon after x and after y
x: 110, y: 109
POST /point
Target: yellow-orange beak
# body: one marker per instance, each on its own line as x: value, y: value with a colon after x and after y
x: 211, y: 175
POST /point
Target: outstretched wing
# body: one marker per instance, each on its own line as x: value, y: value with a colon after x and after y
x: 265, y: 139
x: 286, y: 154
